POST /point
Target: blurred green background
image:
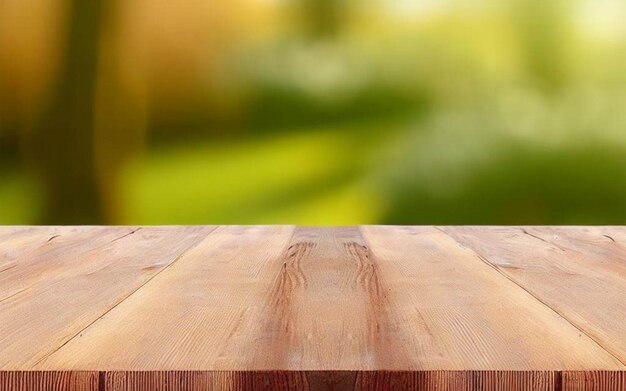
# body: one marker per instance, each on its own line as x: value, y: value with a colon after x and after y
x: 313, y: 112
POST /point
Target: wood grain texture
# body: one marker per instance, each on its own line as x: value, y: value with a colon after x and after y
x: 312, y: 380
x: 50, y: 381
x: 580, y: 272
x: 67, y: 291
x: 333, y: 380
x: 593, y: 381
x: 463, y: 314
x: 312, y: 308
x: 15, y: 241
x: 51, y: 256
x: 199, y: 306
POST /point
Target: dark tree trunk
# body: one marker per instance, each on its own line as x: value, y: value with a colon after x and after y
x: 63, y: 143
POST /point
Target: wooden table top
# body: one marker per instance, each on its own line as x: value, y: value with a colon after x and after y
x: 285, y: 307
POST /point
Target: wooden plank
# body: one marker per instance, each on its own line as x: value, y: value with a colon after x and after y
x: 199, y: 305
x: 312, y: 380
x: 593, y: 381
x: 267, y: 298
x: 52, y: 254
x: 331, y: 380
x: 323, y: 310
x: 460, y: 313
x: 306, y: 300
x: 306, y: 308
x: 580, y: 272
x: 49, y: 381
x: 39, y: 320
x: 15, y: 241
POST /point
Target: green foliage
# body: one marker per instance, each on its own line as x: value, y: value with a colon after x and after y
x: 519, y: 162
x: 494, y: 112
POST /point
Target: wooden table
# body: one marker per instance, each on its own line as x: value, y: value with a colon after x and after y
x: 284, y: 307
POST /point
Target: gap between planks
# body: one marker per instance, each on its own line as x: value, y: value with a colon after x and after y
x: 176, y: 259
x: 505, y: 275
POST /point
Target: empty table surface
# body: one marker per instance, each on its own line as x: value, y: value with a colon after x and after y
x: 286, y: 307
